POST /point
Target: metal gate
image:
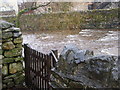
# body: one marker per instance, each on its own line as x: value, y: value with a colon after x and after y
x: 38, y: 68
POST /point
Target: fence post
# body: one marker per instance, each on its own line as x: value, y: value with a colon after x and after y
x: 56, y: 53
x: 54, y: 57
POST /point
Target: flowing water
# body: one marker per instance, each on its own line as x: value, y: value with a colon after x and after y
x: 100, y: 41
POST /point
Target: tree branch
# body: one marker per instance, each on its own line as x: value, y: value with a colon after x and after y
x: 27, y: 10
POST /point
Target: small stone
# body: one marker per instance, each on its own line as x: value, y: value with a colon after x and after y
x: 13, y: 52
x: 1, y: 51
x: 18, y: 40
x: 19, y: 79
x: 18, y: 45
x: 7, y: 40
x: 5, y: 70
x: 17, y: 34
x: 4, y: 86
x: 8, y: 45
x: 1, y: 56
x: 15, y: 67
x: 8, y: 60
x: 14, y: 29
x: 7, y: 35
x: 0, y: 61
x: 19, y: 59
x: 4, y: 25
x: 7, y: 80
x: 10, y: 84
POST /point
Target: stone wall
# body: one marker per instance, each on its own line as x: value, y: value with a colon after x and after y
x: 11, y: 54
x: 94, y: 19
x: 78, y: 68
x: 0, y: 59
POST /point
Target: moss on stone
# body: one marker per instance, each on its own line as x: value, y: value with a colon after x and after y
x: 5, y: 69
x: 13, y: 52
x: 15, y: 67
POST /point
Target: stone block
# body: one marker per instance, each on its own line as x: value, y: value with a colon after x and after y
x: 1, y: 56
x: 7, y: 80
x: 15, y: 67
x: 19, y: 79
x: 5, y: 25
x: 5, y: 69
x: 18, y: 45
x: 18, y: 40
x: 7, y: 35
x: 19, y: 59
x: 7, y: 40
x: 8, y: 45
x: 10, y: 84
x: 14, y: 29
x: 17, y: 34
x: 0, y: 61
x: 4, y: 86
x: 13, y: 52
x: 1, y: 51
x: 8, y: 60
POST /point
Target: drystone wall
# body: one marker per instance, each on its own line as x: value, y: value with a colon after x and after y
x: 94, y: 19
x: 78, y: 68
x: 11, y: 55
x: 0, y: 59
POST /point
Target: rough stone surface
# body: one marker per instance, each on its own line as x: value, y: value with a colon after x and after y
x: 11, y: 55
x: 8, y: 45
x: 5, y: 70
x: 17, y: 34
x: 13, y: 52
x: 71, y: 56
x: 4, y: 25
x: 18, y: 40
x: 14, y: 67
x: 8, y: 60
x: 100, y: 71
x: 7, y: 35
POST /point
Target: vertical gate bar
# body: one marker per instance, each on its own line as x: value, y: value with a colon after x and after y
x: 41, y: 71
x: 25, y: 59
x: 38, y: 68
x: 48, y: 59
x: 29, y: 60
x: 35, y: 69
x: 45, y: 72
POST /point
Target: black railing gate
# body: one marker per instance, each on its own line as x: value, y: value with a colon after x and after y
x: 37, y: 68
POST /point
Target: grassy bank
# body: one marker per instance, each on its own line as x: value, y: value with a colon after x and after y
x: 95, y: 19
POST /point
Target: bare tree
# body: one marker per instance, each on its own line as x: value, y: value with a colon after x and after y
x: 28, y: 8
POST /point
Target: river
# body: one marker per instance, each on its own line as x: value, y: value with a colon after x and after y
x: 100, y: 41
